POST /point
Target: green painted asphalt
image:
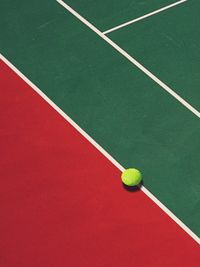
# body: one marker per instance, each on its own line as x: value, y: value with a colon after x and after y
x: 169, y: 45
x: 129, y: 115
x: 107, y: 14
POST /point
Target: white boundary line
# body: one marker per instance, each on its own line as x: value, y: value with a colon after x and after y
x: 60, y: 111
x: 130, y: 58
x: 98, y: 147
x: 143, y: 17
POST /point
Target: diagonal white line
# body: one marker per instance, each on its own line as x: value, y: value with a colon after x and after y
x: 131, y: 59
x: 164, y: 86
x: 143, y: 17
x: 97, y: 146
x: 60, y: 111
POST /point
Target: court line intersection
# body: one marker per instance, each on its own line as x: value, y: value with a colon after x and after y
x: 143, y: 17
x: 130, y: 58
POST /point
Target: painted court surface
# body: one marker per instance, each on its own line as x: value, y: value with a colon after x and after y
x: 135, y: 91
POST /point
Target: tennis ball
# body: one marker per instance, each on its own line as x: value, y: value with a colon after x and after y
x: 131, y: 177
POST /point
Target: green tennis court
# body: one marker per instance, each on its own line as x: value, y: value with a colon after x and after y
x: 127, y: 74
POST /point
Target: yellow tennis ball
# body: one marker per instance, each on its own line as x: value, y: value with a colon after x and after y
x: 131, y: 177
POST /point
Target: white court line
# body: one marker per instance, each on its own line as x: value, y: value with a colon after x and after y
x: 164, y: 86
x: 65, y: 116
x: 143, y: 17
x: 130, y: 58
x: 98, y: 147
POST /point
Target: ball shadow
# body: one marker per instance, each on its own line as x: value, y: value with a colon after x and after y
x: 135, y: 188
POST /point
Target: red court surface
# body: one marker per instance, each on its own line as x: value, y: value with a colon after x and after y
x: 62, y: 203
